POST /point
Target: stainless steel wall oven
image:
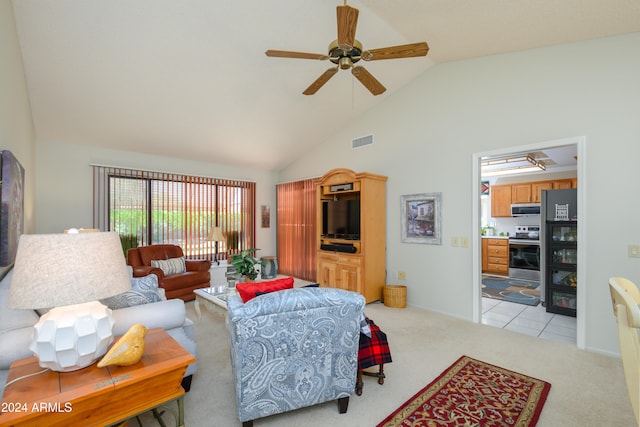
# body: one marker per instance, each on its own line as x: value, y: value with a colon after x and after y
x: 524, y: 253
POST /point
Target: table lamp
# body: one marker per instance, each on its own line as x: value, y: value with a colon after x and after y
x: 69, y: 273
x: 215, y: 235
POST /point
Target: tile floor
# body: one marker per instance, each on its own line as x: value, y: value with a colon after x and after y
x: 534, y: 321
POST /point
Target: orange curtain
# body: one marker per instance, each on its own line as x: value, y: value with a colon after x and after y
x: 296, y: 229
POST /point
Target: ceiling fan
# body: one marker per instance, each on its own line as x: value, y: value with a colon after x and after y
x: 345, y: 51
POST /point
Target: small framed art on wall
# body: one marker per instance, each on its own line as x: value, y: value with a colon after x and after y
x: 421, y: 221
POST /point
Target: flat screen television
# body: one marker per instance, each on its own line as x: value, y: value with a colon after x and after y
x: 341, y: 219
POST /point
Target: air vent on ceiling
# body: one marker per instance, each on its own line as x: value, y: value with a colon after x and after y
x: 362, y: 141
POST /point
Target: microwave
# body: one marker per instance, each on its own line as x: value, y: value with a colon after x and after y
x: 524, y: 209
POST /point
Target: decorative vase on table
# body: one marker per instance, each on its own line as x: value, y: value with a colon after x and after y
x: 269, y: 267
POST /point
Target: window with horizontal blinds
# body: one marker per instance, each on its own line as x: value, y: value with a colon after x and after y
x: 159, y: 207
x: 296, y: 229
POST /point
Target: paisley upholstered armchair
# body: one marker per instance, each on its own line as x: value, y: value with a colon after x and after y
x: 294, y: 348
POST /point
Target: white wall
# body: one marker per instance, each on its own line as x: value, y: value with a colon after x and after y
x: 65, y: 184
x: 426, y: 134
x: 16, y: 124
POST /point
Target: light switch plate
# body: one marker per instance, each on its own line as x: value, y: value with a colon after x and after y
x: 634, y: 251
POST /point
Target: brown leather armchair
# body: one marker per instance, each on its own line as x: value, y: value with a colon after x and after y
x: 180, y: 285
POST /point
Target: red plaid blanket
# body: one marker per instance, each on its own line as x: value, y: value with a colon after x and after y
x: 374, y: 350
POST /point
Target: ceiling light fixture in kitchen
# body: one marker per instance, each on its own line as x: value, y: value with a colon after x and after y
x: 511, y: 165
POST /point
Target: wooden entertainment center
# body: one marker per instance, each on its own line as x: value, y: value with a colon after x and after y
x: 355, y: 261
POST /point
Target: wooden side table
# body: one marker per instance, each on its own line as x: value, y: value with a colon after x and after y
x: 97, y: 396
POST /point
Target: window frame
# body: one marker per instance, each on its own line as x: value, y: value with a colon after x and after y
x: 228, y: 204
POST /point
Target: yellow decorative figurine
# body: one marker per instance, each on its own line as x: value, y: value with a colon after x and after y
x: 128, y: 350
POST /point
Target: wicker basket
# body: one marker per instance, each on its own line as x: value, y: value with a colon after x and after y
x: 394, y: 296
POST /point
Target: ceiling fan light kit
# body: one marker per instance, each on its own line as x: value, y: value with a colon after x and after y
x: 346, y: 51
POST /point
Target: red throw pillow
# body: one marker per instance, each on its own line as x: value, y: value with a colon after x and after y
x: 247, y: 290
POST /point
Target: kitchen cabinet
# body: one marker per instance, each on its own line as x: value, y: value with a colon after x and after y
x: 529, y: 192
x: 537, y: 187
x: 500, y: 200
x: 562, y: 184
x: 503, y: 195
x: 485, y: 256
x: 561, y: 269
x: 521, y: 193
x: 495, y: 256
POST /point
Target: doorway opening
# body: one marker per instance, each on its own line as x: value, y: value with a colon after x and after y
x: 510, y: 312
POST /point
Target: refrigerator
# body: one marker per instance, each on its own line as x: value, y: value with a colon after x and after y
x: 559, y: 250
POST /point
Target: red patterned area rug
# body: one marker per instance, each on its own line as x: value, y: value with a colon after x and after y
x: 474, y: 393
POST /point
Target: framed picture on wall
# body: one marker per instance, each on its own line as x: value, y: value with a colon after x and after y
x: 484, y: 188
x: 421, y: 221
x: 265, y: 216
x: 12, y: 207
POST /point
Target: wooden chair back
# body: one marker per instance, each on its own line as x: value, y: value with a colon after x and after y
x: 625, y: 297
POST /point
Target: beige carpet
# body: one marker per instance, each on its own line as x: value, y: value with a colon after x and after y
x: 587, y: 389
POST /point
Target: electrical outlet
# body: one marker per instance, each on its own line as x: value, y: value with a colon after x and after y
x: 454, y: 241
x: 464, y: 241
x: 402, y: 275
x: 634, y: 251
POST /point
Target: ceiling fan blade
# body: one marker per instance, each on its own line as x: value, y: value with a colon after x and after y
x: 367, y: 79
x: 393, y: 52
x: 347, y: 22
x: 297, y: 55
x: 320, y: 81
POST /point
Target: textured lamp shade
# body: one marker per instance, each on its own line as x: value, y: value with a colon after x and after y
x: 52, y: 270
x: 69, y: 272
x: 215, y: 235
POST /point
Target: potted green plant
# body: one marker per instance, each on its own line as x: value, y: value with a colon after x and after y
x: 245, y: 263
x: 488, y: 230
x: 128, y: 241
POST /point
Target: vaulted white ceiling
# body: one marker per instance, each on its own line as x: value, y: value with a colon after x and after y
x: 189, y: 78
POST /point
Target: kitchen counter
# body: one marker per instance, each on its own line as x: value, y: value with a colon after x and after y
x: 495, y: 237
